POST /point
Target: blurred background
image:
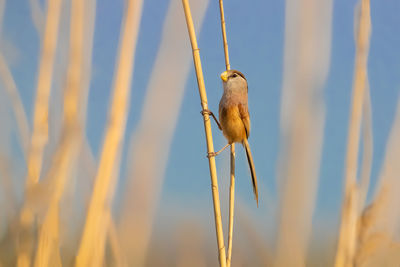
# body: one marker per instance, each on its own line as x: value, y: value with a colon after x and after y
x: 153, y: 205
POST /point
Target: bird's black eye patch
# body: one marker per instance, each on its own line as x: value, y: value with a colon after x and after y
x: 234, y: 75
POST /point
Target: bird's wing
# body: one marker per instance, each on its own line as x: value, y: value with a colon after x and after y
x: 244, y: 115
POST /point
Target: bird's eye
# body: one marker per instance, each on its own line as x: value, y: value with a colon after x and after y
x: 234, y: 75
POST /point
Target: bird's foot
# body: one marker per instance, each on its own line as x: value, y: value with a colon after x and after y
x: 210, y: 113
x: 206, y: 111
x: 211, y: 154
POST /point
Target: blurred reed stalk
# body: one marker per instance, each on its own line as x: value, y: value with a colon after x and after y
x: 151, y: 143
x: 348, y: 229
x: 232, y: 165
x: 207, y: 127
x: 308, y: 25
x: 365, y: 215
x: 379, y: 223
x: 41, y: 110
x: 64, y: 160
x: 366, y: 164
x: 22, y: 132
x: 39, y: 135
x: 37, y: 16
x: 12, y: 90
x: 231, y: 206
x: 16, y: 104
x: 6, y: 186
x: 91, y: 249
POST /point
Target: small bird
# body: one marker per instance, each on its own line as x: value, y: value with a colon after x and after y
x: 234, y: 117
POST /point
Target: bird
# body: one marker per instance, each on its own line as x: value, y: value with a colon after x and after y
x: 234, y: 119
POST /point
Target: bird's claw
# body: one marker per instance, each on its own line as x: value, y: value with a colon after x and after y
x: 211, y: 154
x: 210, y: 113
x: 206, y: 111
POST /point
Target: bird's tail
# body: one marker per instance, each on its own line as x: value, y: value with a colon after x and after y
x: 252, y: 169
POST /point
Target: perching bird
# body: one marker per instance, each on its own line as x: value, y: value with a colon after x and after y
x: 234, y: 116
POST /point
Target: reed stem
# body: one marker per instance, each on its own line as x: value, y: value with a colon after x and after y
x: 208, y: 132
x: 231, y: 206
x: 91, y: 249
x: 223, y: 29
x: 47, y: 253
x: 347, y: 235
x: 41, y: 113
x: 232, y: 180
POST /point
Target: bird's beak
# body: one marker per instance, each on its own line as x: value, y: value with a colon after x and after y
x: 224, y: 76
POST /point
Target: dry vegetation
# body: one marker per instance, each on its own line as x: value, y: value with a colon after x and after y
x: 37, y: 232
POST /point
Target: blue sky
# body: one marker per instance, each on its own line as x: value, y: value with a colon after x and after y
x: 256, y: 41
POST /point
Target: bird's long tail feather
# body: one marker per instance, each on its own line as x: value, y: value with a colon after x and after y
x: 252, y: 169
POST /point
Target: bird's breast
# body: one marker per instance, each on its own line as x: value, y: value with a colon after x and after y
x: 232, y: 124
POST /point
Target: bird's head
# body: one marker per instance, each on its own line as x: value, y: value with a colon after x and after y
x: 234, y: 80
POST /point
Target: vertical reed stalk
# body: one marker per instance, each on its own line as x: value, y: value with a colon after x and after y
x: 232, y: 172
x: 91, y: 248
x: 47, y: 253
x: 231, y: 206
x: 12, y: 90
x: 379, y: 223
x: 223, y: 29
x: 151, y: 142
x: 347, y: 235
x: 66, y: 152
x: 17, y: 106
x: 41, y: 113
x: 306, y: 66
x: 37, y: 16
x: 207, y: 127
x: 368, y: 145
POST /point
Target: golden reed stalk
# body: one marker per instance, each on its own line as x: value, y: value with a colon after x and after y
x: 15, y: 99
x: 16, y: 104
x: 223, y: 29
x: 207, y: 127
x: 306, y: 66
x: 378, y: 225
x: 22, y: 131
x: 347, y: 235
x: 232, y: 165
x: 41, y: 112
x: 231, y: 206
x: 40, y: 130
x: 150, y: 144
x: 368, y: 147
x: 48, y: 253
x: 37, y: 16
x: 91, y: 250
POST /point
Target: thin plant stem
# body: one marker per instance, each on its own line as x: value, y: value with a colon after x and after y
x: 366, y: 166
x: 231, y: 206
x: 48, y: 253
x: 91, y: 249
x: 16, y: 104
x: 12, y: 90
x: 41, y: 113
x: 232, y: 165
x: 37, y: 14
x: 151, y: 146
x: 208, y: 132
x: 223, y: 28
x: 347, y: 235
